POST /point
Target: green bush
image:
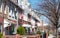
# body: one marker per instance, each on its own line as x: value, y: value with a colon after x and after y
x: 0, y: 35
x: 38, y: 32
x: 20, y: 30
x: 48, y: 33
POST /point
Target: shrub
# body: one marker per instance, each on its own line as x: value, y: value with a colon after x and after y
x: 0, y: 35
x: 48, y: 33
x: 38, y: 32
x: 20, y: 30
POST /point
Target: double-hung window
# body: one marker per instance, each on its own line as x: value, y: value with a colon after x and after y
x: 15, y: 14
x: 9, y: 10
x: 5, y: 7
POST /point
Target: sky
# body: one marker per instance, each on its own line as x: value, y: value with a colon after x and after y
x: 34, y: 5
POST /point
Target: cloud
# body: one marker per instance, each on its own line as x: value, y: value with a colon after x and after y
x: 45, y: 24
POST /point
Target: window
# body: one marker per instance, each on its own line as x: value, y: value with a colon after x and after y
x: 12, y: 11
x: 15, y: 14
x: 4, y: 7
x: 17, y: 1
x: 9, y: 8
x: 29, y: 16
x: 9, y: 16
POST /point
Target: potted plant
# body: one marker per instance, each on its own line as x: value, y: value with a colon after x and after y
x: 20, y: 30
x: 0, y: 35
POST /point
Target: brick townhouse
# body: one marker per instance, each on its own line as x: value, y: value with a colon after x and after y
x: 14, y: 13
x: 28, y: 19
x: 8, y: 16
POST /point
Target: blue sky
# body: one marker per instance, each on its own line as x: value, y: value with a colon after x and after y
x: 34, y: 5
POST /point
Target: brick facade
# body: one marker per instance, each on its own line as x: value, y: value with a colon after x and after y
x: 21, y: 36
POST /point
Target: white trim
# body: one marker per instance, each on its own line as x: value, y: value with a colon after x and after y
x: 6, y: 23
x: 26, y: 25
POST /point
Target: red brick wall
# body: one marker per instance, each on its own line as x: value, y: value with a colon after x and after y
x: 1, y: 20
x: 18, y: 36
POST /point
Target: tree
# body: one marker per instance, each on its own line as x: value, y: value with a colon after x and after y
x: 51, y: 11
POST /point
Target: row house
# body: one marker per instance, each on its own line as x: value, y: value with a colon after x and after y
x: 35, y: 21
x: 28, y: 22
x: 28, y: 19
x: 24, y: 16
x: 9, y: 16
x: 1, y: 17
x: 23, y: 20
x: 17, y: 12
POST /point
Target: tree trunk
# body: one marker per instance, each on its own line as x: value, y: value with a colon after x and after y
x: 56, y: 32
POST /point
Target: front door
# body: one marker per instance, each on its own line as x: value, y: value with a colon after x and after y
x: 44, y: 35
x: 9, y: 30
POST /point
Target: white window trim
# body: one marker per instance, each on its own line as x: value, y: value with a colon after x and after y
x: 5, y: 11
